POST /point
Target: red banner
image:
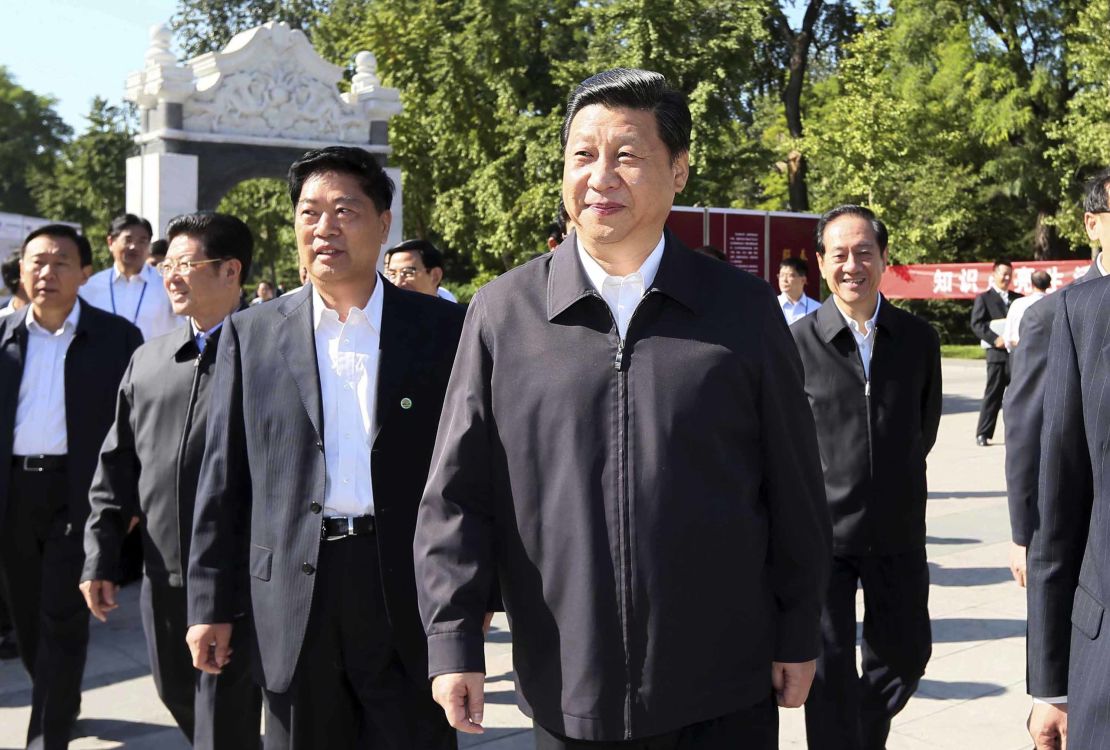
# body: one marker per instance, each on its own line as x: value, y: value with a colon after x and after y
x: 966, y: 280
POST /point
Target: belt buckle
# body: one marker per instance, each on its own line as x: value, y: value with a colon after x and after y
x: 37, y: 469
x: 332, y: 537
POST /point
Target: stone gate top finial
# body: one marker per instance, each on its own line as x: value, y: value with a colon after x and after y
x: 158, y: 53
x: 366, y: 72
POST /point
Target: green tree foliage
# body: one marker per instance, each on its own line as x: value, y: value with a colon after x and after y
x: 85, y: 184
x: 484, y: 84
x: 207, y: 25
x: 31, y: 134
x: 264, y: 205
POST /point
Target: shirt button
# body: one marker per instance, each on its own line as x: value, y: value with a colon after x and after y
x: 346, y: 480
x: 315, y: 507
x: 308, y: 569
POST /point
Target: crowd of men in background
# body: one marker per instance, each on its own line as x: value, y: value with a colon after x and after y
x: 335, y: 488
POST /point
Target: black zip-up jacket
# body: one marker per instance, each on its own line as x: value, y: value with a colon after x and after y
x: 653, y: 508
x: 150, y: 460
x: 874, y: 434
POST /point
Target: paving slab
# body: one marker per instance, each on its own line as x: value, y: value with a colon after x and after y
x: 972, y: 694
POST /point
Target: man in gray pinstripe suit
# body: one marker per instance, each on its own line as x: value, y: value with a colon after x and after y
x: 1069, y: 556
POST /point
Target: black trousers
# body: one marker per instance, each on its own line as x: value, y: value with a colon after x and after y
x: 349, y: 689
x: 849, y: 711
x: 216, y: 712
x: 998, y: 377
x: 41, y: 556
x: 754, y: 728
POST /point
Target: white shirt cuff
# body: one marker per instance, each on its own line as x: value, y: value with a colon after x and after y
x: 1055, y: 700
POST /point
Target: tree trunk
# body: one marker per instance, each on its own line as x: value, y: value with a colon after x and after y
x: 1047, y: 243
x: 792, y: 104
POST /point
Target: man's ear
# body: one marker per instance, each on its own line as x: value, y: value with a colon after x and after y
x: 681, y: 168
x: 86, y: 272
x: 437, y: 275
x: 1090, y: 223
x: 232, y: 268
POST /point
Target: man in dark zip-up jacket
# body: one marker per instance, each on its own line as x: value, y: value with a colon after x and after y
x: 149, y: 466
x: 626, y: 446
x: 872, y: 375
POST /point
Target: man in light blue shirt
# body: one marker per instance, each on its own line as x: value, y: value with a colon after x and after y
x: 792, y: 283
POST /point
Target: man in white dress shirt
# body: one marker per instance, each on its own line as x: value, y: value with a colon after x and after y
x: 792, y: 283
x: 130, y: 287
x: 322, y: 417
x: 60, y: 365
x: 1011, y: 333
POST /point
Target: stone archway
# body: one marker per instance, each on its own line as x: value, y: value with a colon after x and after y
x: 247, y: 111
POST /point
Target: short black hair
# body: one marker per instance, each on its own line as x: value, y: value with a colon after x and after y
x: 636, y: 89
x: 1002, y: 262
x: 429, y: 254
x: 9, y: 270
x: 125, y: 221
x: 798, y: 265
x: 851, y: 209
x: 59, y: 231
x: 223, y: 237
x: 1041, y: 280
x: 357, y: 162
x: 1095, y: 198
x: 158, y: 248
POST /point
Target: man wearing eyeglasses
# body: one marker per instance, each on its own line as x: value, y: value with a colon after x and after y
x: 130, y: 287
x: 417, y: 265
x: 149, y: 466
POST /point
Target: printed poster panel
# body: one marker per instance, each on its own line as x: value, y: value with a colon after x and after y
x: 792, y: 236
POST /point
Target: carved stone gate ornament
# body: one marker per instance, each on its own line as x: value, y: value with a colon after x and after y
x: 247, y: 111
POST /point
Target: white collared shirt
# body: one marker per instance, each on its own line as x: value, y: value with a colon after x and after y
x: 865, y: 340
x: 622, y: 293
x: 40, y: 415
x: 1003, y: 293
x: 347, y: 357
x: 141, y: 300
x: 1011, y: 333
x: 795, y: 311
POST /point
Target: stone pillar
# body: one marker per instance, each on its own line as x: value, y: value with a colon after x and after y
x: 396, y: 229
x: 161, y: 186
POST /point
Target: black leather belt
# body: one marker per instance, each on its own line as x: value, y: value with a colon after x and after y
x: 38, y: 464
x: 338, y: 527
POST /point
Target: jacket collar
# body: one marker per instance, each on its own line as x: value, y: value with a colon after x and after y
x: 830, y: 322
x: 567, y: 282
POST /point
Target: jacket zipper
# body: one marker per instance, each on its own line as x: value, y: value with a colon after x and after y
x: 181, y: 448
x: 623, y: 510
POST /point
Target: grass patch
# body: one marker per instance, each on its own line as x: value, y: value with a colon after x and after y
x: 963, y: 351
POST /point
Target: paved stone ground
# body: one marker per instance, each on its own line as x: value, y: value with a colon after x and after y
x: 971, y: 697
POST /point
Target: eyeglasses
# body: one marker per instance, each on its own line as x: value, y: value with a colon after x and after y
x: 184, y: 267
x: 408, y: 272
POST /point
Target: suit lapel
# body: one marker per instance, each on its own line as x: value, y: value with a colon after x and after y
x: 297, y: 342
x: 400, y: 336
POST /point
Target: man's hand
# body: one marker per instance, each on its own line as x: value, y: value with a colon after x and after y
x: 1017, y: 563
x: 100, y: 597
x: 133, y: 523
x: 486, y: 622
x: 792, y: 682
x: 210, y: 645
x: 999, y: 343
x: 1048, y: 726
x: 463, y: 698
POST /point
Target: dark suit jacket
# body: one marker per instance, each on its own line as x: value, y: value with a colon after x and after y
x: 1069, y: 556
x: 150, y: 461
x: 94, y: 364
x: 1023, y: 405
x: 262, y: 479
x: 874, y: 436
x: 989, y: 306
